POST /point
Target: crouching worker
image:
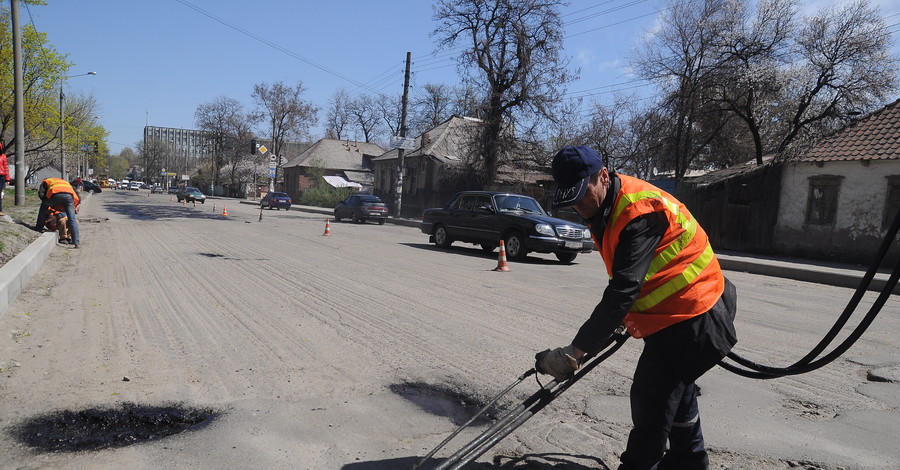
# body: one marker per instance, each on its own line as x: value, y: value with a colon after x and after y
x: 58, y: 192
x: 58, y: 221
x: 666, y: 287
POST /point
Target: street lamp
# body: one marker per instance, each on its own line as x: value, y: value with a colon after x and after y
x: 62, y: 126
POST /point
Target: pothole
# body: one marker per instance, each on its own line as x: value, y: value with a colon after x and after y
x: 100, y: 428
x: 440, y: 401
x: 212, y: 255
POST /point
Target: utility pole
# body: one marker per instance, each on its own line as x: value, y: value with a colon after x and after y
x: 20, y: 104
x: 400, y: 151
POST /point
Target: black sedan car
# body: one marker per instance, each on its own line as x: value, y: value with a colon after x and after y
x: 360, y: 208
x: 276, y: 200
x: 484, y: 218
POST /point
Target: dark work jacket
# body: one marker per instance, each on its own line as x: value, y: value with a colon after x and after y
x: 636, y: 249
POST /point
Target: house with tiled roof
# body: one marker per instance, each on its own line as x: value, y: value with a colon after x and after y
x: 346, y: 163
x: 835, y: 202
x: 838, y: 200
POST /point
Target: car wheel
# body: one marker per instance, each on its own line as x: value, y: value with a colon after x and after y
x: 566, y: 257
x: 441, y: 237
x: 487, y: 247
x: 270, y: 206
x: 380, y: 221
x: 203, y: 201
x: 355, y: 218
x: 515, y: 246
x: 287, y: 208
x: 337, y: 218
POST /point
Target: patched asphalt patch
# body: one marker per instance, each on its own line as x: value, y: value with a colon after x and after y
x: 441, y: 401
x: 101, y: 428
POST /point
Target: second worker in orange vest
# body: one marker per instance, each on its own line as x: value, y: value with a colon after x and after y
x: 665, y: 286
x: 58, y: 192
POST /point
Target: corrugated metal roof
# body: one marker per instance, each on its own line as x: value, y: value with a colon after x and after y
x: 873, y: 137
x: 336, y: 154
x: 445, y: 142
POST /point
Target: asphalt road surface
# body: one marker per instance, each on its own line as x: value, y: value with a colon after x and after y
x: 319, y: 352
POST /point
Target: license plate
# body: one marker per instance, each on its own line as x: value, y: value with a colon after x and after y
x: 573, y: 245
x: 376, y: 213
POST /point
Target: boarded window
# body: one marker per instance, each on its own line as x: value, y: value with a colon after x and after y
x: 823, y: 198
x: 892, y: 204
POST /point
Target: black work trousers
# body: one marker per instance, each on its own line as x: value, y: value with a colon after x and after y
x: 663, y: 395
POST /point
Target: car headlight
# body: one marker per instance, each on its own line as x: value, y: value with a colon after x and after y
x: 545, y: 229
x: 587, y: 233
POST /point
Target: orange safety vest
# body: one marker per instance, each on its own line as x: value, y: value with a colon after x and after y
x: 56, y: 185
x: 684, y: 279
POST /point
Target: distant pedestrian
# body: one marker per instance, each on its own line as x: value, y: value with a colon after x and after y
x: 58, y: 192
x: 4, y: 176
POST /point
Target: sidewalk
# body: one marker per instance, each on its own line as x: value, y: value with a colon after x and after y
x: 833, y: 274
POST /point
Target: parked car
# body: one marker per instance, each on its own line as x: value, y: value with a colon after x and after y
x: 156, y: 189
x: 91, y: 187
x: 484, y: 218
x: 360, y: 208
x: 173, y: 189
x: 190, y: 194
x: 134, y: 185
x: 276, y: 200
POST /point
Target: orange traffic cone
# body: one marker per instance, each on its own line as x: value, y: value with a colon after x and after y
x: 195, y: 204
x: 224, y: 211
x: 327, y: 228
x: 184, y: 203
x: 260, y: 215
x: 501, y: 260
x: 214, y: 207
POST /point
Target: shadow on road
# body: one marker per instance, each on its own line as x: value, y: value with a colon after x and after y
x: 140, y: 207
x: 501, y: 462
x: 479, y: 253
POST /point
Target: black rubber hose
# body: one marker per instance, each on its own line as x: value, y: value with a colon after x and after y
x: 807, y: 363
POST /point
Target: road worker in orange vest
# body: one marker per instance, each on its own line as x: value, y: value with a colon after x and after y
x: 666, y: 287
x: 58, y: 192
x: 58, y: 221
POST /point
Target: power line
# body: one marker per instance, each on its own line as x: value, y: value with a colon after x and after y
x: 272, y: 44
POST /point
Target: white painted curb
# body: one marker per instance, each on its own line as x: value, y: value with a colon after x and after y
x: 16, y: 273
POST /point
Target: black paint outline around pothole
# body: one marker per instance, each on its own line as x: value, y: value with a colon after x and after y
x: 101, y: 428
x: 442, y: 401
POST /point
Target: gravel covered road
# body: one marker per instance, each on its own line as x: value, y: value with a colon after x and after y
x: 308, y: 349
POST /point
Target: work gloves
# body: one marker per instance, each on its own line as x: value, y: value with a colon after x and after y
x: 559, y: 362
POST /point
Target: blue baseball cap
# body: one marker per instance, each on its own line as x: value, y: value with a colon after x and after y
x: 572, y: 169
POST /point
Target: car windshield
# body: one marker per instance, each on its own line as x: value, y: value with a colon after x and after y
x: 191, y: 190
x: 506, y: 203
x: 370, y: 199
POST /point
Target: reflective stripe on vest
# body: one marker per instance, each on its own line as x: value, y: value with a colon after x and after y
x: 683, y: 279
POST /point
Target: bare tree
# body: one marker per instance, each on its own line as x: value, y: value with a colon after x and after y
x: 681, y: 59
x: 389, y: 111
x: 337, y: 118
x: 283, y: 114
x: 843, y: 66
x: 512, y: 56
x: 430, y: 108
x: 366, y: 117
x: 219, y: 117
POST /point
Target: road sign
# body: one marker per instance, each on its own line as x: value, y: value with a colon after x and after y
x: 272, y: 172
x: 262, y: 149
x: 408, y: 143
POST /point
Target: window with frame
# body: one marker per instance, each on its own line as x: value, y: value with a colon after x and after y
x: 892, y: 204
x: 821, y: 206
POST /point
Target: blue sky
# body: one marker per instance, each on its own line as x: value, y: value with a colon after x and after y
x: 156, y: 61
